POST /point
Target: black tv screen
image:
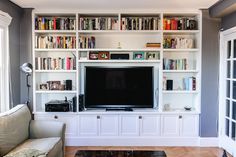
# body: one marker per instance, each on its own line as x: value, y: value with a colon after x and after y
x: 119, y: 87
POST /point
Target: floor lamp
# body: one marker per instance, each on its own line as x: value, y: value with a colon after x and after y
x: 27, y: 69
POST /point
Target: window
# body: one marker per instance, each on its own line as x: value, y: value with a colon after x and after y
x: 5, y: 20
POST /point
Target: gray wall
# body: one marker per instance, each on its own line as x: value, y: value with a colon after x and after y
x: 14, y: 42
x: 229, y: 21
x: 210, y: 74
x: 25, y: 52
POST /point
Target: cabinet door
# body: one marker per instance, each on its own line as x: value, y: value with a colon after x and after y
x: 150, y: 125
x: 129, y: 125
x: 88, y: 125
x: 189, y: 125
x: 109, y: 125
x: 170, y: 125
x: 69, y: 120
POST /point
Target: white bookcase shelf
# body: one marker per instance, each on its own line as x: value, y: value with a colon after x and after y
x: 118, y: 36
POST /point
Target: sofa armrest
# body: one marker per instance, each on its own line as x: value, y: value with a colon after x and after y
x: 44, y: 129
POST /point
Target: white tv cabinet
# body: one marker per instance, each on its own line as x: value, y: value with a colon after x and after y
x: 142, y: 127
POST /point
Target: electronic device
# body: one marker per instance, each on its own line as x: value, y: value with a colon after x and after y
x: 120, y: 56
x: 81, y: 102
x: 109, y: 87
x: 68, y: 84
x: 74, y: 104
x: 169, y: 84
x: 57, y: 106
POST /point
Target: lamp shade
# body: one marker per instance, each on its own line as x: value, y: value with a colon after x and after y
x: 26, y: 68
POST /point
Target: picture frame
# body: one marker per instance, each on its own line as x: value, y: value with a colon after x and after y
x: 103, y: 55
x: 54, y: 85
x: 152, y: 55
x: 43, y: 86
x: 138, y: 55
x: 93, y: 55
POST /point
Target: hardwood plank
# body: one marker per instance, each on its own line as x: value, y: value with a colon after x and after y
x: 170, y: 151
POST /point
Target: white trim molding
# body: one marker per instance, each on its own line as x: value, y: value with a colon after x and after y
x: 209, y: 142
x: 5, y: 21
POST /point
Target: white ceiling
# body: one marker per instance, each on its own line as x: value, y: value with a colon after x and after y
x: 115, y: 4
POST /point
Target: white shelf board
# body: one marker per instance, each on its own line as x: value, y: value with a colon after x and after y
x: 119, y: 31
x: 178, y: 92
x: 120, y: 50
x: 180, y: 71
x: 181, y: 31
x: 54, y: 113
x: 119, y: 61
x: 55, y: 31
x: 54, y: 50
x: 181, y: 50
x: 55, y: 71
x: 55, y: 92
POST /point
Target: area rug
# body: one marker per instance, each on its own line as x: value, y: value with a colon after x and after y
x: 115, y: 153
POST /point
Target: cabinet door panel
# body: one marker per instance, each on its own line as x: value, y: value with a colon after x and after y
x: 189, y: 125
x: 109, y: 125
x: 150, y: 125
x: 69, y: 120
x: 88, y: 125
x: 170, y: 125
x: 129, y: 125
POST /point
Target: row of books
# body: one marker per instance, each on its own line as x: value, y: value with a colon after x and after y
x: 98, y: 23
x: 179, y: 23
x: 140, y: 23
x: 48, y: 63
x: 189, y: 83
x: 174, y: 64
x: 50, y: 42
x: 178, y: 43
x: 86, y: 42
x: 55, y: 23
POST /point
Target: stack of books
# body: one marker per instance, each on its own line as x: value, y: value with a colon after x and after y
x: 189, y: 83
x: 54, y: 23
x: 98, y: 23
x: 153, y: 45
x: 140, y: 23
x: 67, y: 63
x: 50, y: 42
x: 178, y: 43
x: 174, y: 64
x: 179, y: 23
x: 86, y: 42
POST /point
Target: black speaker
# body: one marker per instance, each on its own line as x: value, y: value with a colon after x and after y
x: 169, y: 84
x: 74, y: 104
x: 68, y: 84
x: 81, y: 102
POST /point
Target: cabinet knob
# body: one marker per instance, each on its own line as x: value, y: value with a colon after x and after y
x: 55, y: 117
x: 180, y: 117
x: 98, y: 117
x: 140, y: 117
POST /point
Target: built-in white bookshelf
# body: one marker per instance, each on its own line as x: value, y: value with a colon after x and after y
x: 176, y: 51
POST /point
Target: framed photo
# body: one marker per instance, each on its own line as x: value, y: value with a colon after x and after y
x: 103, y: 55
x: 43, y: 86
x: 54, y: 85
x: 138, y: 55
x: 152, y: 55
x: 93, y: 55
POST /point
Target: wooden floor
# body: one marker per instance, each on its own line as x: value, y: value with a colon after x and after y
x: 170, y: 151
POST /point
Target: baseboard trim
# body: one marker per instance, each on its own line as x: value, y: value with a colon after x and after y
x: 209, y: 142
x: 148, y: 141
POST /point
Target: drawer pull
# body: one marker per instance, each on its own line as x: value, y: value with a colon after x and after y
x: 180, y: 117
x: 98, y: 117
x: 55, y: 117
x: 140, y: 117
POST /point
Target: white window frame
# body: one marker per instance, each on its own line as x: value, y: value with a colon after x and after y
x: 5, y: 21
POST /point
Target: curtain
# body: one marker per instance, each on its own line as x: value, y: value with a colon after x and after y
x: 5, y: 20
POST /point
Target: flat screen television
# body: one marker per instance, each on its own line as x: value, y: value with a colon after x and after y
x: 130, y: 87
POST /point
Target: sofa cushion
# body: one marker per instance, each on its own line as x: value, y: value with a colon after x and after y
x: 14, y: 128
x: 50, y: 146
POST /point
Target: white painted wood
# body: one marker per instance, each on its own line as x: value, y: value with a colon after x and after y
x: 109, y: 125
x: 150, y: 125
x: 170, y: 126
x: 88, y: 125
x: 129, y: 125
x: 189, y: 125
x: 69, y: 120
